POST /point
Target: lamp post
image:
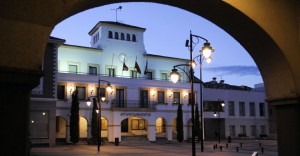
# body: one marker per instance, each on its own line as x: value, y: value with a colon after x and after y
x: 200, y: 59
x: 206, y: 52
x: 99, y: 99
x: 222, y: 104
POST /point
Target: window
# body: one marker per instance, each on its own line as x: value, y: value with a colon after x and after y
x: 144, y: 98
x: 252, y: 108
x: 190, y: 98
x: 120, y: 98
x: 72, y: 68
x: 243, y: 129
x: 116, y: 35
x: 232, y: 130
x: 111, y: 72
x: 253, y: 130
x: 110, y: 34
x: 160, y: 97
x: 149, y: 75
x: 122, y: 36
x: 39, y: 123
x: 81, y: 93
x: 138, y: 124
x: 262, y: 109
x: 128, y: 37
x: 92, y: 70
x: 60, y: 92
x: 176, y: 97
x: 133, y: 38
x: 133, y: 74
x: 164, y: 76
x: 102, y: 92
x: 242, y: 108
x: 231, y: 108
x: 263, y: 129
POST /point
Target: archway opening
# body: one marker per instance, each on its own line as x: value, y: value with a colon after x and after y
x: 134, y: 129
x: 61, y: 128
x: 160, y: 128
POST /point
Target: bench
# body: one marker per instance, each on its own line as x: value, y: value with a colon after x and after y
x: 242, y: 136
x: 263, y: 136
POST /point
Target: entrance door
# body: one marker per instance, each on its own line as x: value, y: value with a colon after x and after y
x: 124, y: 125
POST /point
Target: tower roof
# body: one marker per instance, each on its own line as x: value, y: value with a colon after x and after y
x: 113, y: 23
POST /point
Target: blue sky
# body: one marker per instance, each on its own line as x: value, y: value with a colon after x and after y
x: 167, y: 29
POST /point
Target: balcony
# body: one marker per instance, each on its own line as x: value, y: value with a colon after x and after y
x: 130, y: 105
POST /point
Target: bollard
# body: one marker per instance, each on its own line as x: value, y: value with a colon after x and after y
x: 262, y: 150
x: 214, y: 147
x: 220, y: 148
x: 241, y: 144
x: 259, y: 144
x: 237, y: 149
x: 227, y: 145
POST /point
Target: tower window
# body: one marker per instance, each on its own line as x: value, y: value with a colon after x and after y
x: 116, y: 35
x: 128, y: 37
x: 133, y: 38
x: 110, y: 35
x: 122, y: 36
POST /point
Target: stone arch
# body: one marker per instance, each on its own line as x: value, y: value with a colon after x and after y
x: 271, y: 42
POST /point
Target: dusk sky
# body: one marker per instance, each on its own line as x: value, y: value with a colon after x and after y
x: 167, y: 29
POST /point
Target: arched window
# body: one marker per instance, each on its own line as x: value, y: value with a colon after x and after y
x: 133, y: 38
x: 128, y: 37
x: 110, y: 34
x: 122, y: 36
x: 116, y: 35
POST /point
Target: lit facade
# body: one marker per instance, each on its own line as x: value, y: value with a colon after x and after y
x: 145, y: 103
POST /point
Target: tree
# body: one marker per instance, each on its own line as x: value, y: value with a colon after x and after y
x: 74, y: 119
x: 197, y: 123
x: 94, y: 130
x: 179, y: 124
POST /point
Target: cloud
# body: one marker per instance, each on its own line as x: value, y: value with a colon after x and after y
x: 234, y: 70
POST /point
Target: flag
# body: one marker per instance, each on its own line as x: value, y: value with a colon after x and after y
x: 137, y: 67
x: 146, y: 68
x: 125, y: 68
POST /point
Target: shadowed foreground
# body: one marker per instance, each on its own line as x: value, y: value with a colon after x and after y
x: 268, y: 147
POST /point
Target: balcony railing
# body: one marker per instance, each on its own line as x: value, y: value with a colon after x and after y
x: 119, y: 76
x: 133, y: 104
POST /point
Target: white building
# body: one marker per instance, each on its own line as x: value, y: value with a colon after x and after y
x: 142, y: 103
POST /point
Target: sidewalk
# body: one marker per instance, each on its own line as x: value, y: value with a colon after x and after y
x: 158, y: 149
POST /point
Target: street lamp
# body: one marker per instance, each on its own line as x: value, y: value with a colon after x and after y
x: 98, y: 111
x: 174, y: 75
x: 220, y: 106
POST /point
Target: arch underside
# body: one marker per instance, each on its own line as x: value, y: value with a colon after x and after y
x: 270, y: 59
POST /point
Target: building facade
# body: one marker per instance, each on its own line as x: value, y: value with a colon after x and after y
x: 143, y: 100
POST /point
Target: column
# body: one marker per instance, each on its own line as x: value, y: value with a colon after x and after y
x: 16, y: 87
x: 114, y: 131
x: 288, y: 128
x: 89, y: 135
x: 151, y: 133
x: 185, y: 132
x: 169, y: 132
x: 68, y: 133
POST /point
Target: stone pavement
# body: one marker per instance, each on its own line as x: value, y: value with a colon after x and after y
x: 173, y: 148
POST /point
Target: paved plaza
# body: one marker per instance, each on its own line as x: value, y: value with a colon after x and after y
x: 244, y: 147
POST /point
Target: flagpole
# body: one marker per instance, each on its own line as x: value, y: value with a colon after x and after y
x: 123, y: 67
